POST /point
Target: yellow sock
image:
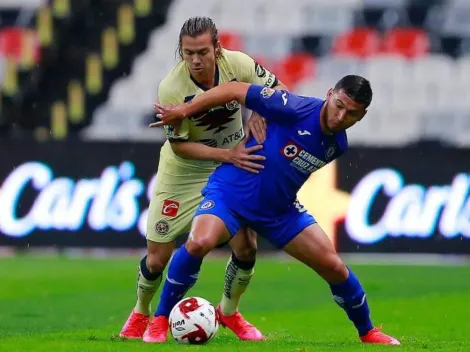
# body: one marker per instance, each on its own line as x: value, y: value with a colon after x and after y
x: 236, y: 282
x: 146, y: 289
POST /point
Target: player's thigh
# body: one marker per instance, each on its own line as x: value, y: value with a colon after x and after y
x: 171, y: 210
x: 281, y: 229
x: 244, y: 244
x: 312, y: 247
x: 214, y: 223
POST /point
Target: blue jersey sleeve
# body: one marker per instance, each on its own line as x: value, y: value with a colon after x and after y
x: 278, y: 105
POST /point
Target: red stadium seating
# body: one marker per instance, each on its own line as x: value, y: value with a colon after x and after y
x: 409, y: 42
x: 361, y: 42
x: 231, y: 40
x: 13, y: 42
x: 294, y: 68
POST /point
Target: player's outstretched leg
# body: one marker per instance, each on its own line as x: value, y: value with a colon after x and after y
x: 206, y: 233
x: 238, y: 274
x: 149, y: 277
x: 313, y: 248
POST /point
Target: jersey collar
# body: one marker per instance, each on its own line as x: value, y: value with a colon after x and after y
x: 216, y: 80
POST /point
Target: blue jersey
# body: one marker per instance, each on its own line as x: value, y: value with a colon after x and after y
x: 294, y: 148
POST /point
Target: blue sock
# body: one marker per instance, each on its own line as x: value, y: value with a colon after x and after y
x: 350, y: 296
x: 182, y: 275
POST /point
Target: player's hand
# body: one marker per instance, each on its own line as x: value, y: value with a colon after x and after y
x: 241, y: 156
x: 168, y: 114
x: 257, y: 126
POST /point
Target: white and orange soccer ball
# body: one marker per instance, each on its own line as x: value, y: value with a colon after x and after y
x: 193, y: 321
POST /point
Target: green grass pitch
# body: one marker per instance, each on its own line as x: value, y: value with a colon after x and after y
x: 60, y: 304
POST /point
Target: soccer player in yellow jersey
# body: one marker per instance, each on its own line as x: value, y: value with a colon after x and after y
x: 192, y: 152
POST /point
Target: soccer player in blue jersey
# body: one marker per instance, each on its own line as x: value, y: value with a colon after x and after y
x: 303, y: 135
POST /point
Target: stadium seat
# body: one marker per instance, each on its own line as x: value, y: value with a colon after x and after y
x: 432, y: 68
x: 449, y: 45
x: 232, y: 15
x: 231, y: 40
x: 268, y: 45
x: 464, y: 48
x: 389, y: 68
x: 415, y: 67
x: 463, y: 71
x: 327, y: 20
x: 434, y: 18
x: 440, y: 125
x: 417, y: 13
x: 15, y: 42
x: 314, y: 87
x: 462, y: 128
x: 456, y: 20
x: 334, y: 67
x: 409, y: 42
x: 384, y: 3
x: 359, y: 42
x: 294, y: 68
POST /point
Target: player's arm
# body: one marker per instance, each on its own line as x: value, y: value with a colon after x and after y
x: 198, y: 151
x: 240, y: 156
x: 280, y: 106
x: 178, y: 136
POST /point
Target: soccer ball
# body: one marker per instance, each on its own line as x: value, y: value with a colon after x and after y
x: 194, y: 321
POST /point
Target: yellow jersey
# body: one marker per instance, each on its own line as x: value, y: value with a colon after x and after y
x: 220, y: 127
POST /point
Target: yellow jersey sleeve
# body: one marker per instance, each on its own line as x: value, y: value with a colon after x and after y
x: 247, y: 70
x: 168, y: 96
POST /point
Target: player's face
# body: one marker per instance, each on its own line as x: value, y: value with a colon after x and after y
x: 342, y: 111
x: 199, y: 54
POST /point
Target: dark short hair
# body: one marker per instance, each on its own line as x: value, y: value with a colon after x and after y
x: 357, y: 88
x: 195, y: 26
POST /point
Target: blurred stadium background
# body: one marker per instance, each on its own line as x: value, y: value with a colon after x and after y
x: 77, y: 162
x: 78, y: 79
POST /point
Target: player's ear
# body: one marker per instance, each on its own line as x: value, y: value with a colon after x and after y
x: 330, y: 93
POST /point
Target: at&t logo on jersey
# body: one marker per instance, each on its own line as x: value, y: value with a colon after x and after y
x: 301, y: 159
x: 170, y: 208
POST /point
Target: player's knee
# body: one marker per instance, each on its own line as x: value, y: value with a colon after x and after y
x: 156, y: 263
x: 246, y: 254
x: 335, y: 270
x: 199, y: 247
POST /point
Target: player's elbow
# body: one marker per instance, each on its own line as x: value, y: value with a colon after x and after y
x: 237, y: 91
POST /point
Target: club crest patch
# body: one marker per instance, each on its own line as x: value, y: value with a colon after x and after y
x: 162, y: 227
x: 267, y: 92
x: 209, y: 204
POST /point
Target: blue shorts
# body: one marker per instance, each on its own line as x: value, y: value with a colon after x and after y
x: 279, y: 230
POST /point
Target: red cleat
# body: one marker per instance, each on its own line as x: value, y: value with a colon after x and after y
x: 157, y: 330
x: 135, y: 326
x: 243, y: 329
x: 377, y: 336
